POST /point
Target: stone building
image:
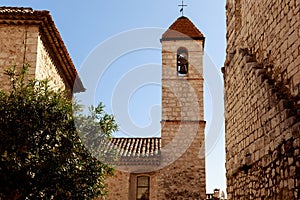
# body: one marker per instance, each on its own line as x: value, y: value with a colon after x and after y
x: 30, y: 37
x: 262, y: 100
x: 172, y: 166
x: 216, y: 195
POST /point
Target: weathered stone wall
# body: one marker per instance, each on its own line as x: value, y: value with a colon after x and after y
x: 18, y: 46
x: 45, y: 67
x: 182, y: 124
x: 270, y: 29
x: 118, y: 186
x: 183, y: 176
x: 22, y: 44
x: 262, y: 79
x: 123, y: 184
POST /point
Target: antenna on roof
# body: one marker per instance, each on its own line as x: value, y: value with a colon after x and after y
x: 182, y: 5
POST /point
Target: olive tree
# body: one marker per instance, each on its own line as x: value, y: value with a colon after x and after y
x: 41, y: 153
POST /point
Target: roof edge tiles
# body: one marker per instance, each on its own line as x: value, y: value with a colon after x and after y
x: 136, y: 151
x: 182, y: 29
x: 48, y: 29
x: 138, y: 146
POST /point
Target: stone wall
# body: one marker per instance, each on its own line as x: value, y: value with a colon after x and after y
x: 183, y: 176
x: 18, y: 46
x: 262, y: 101
x: 182, y: 124
x: 45, y: 67
x: 123, y: 184
x: 118, y: 186
x: 22, y: 44
x: 270, y: 29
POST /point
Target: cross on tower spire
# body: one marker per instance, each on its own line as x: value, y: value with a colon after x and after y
x: 182, y: 5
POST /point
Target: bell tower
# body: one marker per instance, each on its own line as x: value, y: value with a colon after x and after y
x: 182, y: 134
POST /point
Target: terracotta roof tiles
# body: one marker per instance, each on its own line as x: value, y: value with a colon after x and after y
x: 182, y: 28
x: 137, y: 151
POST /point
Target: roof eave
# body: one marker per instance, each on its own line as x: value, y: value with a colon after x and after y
x: 181, y: 38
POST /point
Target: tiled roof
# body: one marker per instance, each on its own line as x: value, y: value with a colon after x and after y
x: 137, y: 150
x: 19, y: 15
x: 182, y: 28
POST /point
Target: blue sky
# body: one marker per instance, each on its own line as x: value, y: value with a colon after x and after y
x: 86, y: 25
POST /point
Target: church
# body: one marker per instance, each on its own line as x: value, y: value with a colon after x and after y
x: 165, y: 168
x: 172, y: 166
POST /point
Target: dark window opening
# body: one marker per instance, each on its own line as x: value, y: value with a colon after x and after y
x: 182, y: 62
x: 143, y: 188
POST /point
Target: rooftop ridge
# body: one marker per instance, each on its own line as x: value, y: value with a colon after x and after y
x: 15, y: 9
x: 183, y: 28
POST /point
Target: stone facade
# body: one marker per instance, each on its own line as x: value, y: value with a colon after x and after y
x: 31, y: 37
x: 180, y: 170
x: 46, y: 69
x: 262, y: 100
x: 14, y: 51
x: 182, y: 123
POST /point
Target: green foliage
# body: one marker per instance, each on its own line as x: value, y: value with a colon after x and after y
x: 41, y: 153
x: 95, y: 138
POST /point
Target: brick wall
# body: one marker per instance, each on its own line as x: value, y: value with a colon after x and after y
x: 262, y: 79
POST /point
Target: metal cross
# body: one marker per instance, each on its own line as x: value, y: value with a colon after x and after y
x: 182, y: 5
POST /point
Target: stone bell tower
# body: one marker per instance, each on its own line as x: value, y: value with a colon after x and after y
x: 182, y: 134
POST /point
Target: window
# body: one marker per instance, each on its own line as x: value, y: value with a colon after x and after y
x: 143, y: 188
x: 182, y: 62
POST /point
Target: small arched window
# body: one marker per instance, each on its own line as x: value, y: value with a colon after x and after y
x: 182, y: 62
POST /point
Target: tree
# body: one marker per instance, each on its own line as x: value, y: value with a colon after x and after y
x: 41, y: 153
